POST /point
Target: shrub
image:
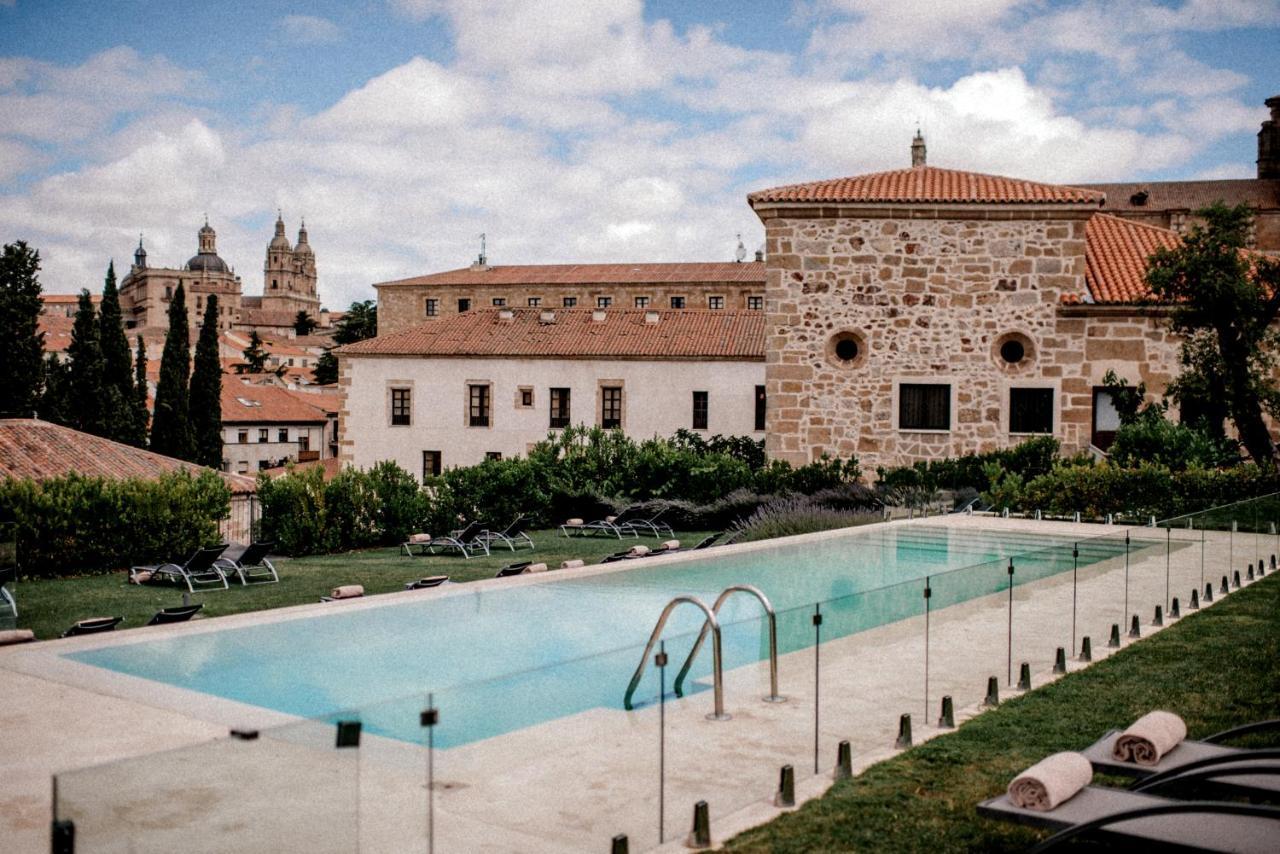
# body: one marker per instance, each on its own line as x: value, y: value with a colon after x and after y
x: 402, y: 503
x: 352, y: 512
x: 293, y: 512
x: 920, y: 481
x: 75, y: 524
x: 494, y: 492
x: 797, y: 515
x: 1152, y: 438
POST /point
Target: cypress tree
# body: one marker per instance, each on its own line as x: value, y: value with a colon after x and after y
x: 206, y: 391
x: 117, y: 370
x: 55, y: 401
x: 141, y: 412
x: 171, y: 423
x: 88, y: 400
x: 20, y: 334
x: 254, y: 356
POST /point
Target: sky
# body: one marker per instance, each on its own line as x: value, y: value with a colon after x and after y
x: 575, y: 130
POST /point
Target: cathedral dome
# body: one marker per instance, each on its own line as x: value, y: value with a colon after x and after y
x: 209, y: 262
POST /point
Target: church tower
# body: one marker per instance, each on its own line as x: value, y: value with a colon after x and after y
x: 1269, y: 142
x: 277, y: 271
x: 289, y: 274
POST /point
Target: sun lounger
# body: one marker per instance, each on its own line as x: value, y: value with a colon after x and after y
x: 201, y: 568
x: 650, y: 527
x: 514, y: 569
x: 466, y: 542
x: 179, y: 614
x: 707, y: 542
x: 513, y: 536
x: 92, y: 626
x: 424, y: 583
x: 418, y: 542
x: 1252, y: 774
x: 8, y: 575
x: 252, y: 566
x: 1100, y: 754
x: 610, y: 526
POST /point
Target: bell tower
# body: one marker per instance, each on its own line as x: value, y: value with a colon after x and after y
x: 277, y: 271
x: 1269, y: 142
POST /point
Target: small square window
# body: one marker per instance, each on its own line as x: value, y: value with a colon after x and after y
x: 535, y: 302
x: 264, y: 464
x: 401, y: 402
x: 1030, y: 410
x: 755, y: 303
x: 677, y: 302
x: 464, y: 305
x: 642, y: 302
x: 263, y: 433
x: 282, y: 435
x: 604, y: 302
x: 243, y: 437
x: 499, y: 302
x: 431, y: 307
x: 525, y: 397
x: 570, y: 302
x: 715, y: 302
x: 924, y: 406
x: 243, y: 467
x: 493, y: 455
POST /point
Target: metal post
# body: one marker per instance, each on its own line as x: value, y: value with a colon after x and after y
x: 1075, y: 569
x: 1168, y: 558
x: 1009, y: 662
x: 431, y: 717
x: 1126, y: 575
x: 928, y: 593
x: 1202, y: 529
x: 817, y: 682
x: 661, y: 660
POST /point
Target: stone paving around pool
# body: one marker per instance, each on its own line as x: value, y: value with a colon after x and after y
x: 573, y: 783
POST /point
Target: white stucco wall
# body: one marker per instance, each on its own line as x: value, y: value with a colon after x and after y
x: 657, y: 400
x: 253, y: 452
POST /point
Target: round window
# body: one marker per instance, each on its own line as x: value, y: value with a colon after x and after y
x: 846, y: 349
x: 1012, y: 351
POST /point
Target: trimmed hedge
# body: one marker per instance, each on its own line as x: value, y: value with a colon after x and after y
x: 77, y: 525
x: 917, y: 484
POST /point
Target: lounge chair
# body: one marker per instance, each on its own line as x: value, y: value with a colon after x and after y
x: 707, y: 542
x: 1100, y: 755
x: 179, y: 614
x: 8, y: 575
x: 514, y: 535
x: 201, y: 568
x: 92, y: 626
x: 514, y: 569
x: 424, y: 583
x: 253, y: 566
x: 467, y: 541
x: 609, y: 526
x: 650, y: 527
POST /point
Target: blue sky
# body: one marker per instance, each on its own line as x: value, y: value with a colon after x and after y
x: 570, y: 130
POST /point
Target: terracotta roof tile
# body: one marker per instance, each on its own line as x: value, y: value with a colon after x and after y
x: 1116, y: 252
x: 266, y: 404
x: 928, y: 184
x: 331, y: 466
x: 751, y: 272
x: 39, y: 450
x: 57, y: 332
x: 623, y: 333
x: 1190, y: 195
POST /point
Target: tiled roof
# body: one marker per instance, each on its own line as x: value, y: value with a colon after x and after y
x: 929, y: 185
x: 68, y: 299
x: 331, y: 467
x: 57, y: 332
x: 623, y: 333
x: 1190, y: 195
x: 1116, y: 252
x: 265, y: 317
x: 751, y: 272
x: 265, y: 404
x: 35, y: 449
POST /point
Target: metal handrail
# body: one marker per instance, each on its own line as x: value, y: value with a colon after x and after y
x: 718, y: 679
x: 774, y: 696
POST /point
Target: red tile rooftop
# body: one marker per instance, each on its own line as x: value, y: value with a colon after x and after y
x: 928, y: 184
x: 751, y: 272
x: 1116, y: 252
x: 576, y: 333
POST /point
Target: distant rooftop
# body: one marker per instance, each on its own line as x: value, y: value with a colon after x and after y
x: 1137, y: 196
x: 751, y: 272
x: 928, y: 185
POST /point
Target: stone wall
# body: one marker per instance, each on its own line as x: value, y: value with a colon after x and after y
x: 928, y: 300
x: 404, y: 306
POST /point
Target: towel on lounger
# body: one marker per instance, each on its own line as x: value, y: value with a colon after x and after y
x: 347, y: 591
x: 573, y: 522
x: 1151, y: 737
x: 671, y: 545
x: 611, y: 519
x: 571, y: 564
x: 536, y: 567
x: 1050, y: 782
x: 638, y: 551
x: 419, y: 538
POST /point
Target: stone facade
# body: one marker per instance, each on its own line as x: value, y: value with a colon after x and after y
x: 931, y: 298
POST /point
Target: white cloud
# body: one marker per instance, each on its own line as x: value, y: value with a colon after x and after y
x: 310, y: 29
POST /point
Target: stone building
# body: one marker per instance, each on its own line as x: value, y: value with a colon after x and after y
x: 491, y: 382
x: 265, y: 426
x: 405, y: 303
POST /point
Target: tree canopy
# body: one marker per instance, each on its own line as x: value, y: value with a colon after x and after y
x: 20, y: 305
x: 171, y: 423
x: 206, y: 391
x: 88, y: 410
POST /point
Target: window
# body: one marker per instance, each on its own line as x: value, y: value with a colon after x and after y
x: 570, y: 302
x: 478, y: 406
x: 400, y: 407
x: 493, y: 455
x: 243, y: 437
x: 559, y: 407
x: 525, y: 397
x: 677, y: 302
x: 464, y: 305
x: 642, y: 302
x: 715, y: 302
x: 924, y: 406
x: 760, y: 407
x: 755, y: 303
x: 610, y: 406
x: 1030, y: 410
x: 264, y: 464
x: 304, y: 442
x: 499, y: 302
x: 430, y: 465
x: 1106, y: 418
x: 534, y: 302
x: 243, y: 467
x: 263, y: 433
x: 604, y: 302
x: 699, y: 410
x: 282, y: 435
x: 432, y: 307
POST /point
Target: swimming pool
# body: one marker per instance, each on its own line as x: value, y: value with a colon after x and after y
x: 508, y: 657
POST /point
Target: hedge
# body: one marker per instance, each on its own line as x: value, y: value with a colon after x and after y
x: 76, y: 525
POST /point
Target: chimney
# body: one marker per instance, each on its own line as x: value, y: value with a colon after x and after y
x: 506, y: 314
x: 917, y: 150
x: 759, y: 254
x: 598, y: 316
x: 651, y: 317
x: 1269, y: 142
x: 546, y: 317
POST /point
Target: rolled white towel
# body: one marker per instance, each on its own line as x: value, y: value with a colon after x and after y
x: 1050, y: 782
x: 571, y: 564
x: 638, y: 551
x: 419, y: 538
x: 573, y: 523
x: 671, y: 544
x: 140, y: 577
x: 611, y: 518
x: 536, y: 567
x: 1149, y: 738
x: 347, y: 591
x: 12, y: 636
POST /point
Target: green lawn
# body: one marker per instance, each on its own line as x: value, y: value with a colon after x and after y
x: 1217, y: 668
x: 49, y: 607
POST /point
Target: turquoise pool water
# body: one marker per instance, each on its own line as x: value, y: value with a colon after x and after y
x: 500, y: 659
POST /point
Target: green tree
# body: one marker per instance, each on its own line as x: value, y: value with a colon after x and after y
x: 326, y: 369
x: 55, y: 401
x: 141, y: 412
x: 206, y: 391
x: 360, y: 322
x: 304, y: 323
x: 20, y: 334
x: 88, y: 397
x: 171, y: 423
x: 254, y: 355
x: 117, y: 367
x: 1216, y: 287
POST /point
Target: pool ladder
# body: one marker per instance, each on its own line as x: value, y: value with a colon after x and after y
x: 712, y: 625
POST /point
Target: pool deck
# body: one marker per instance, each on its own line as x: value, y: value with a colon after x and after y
x: 564, y: 785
